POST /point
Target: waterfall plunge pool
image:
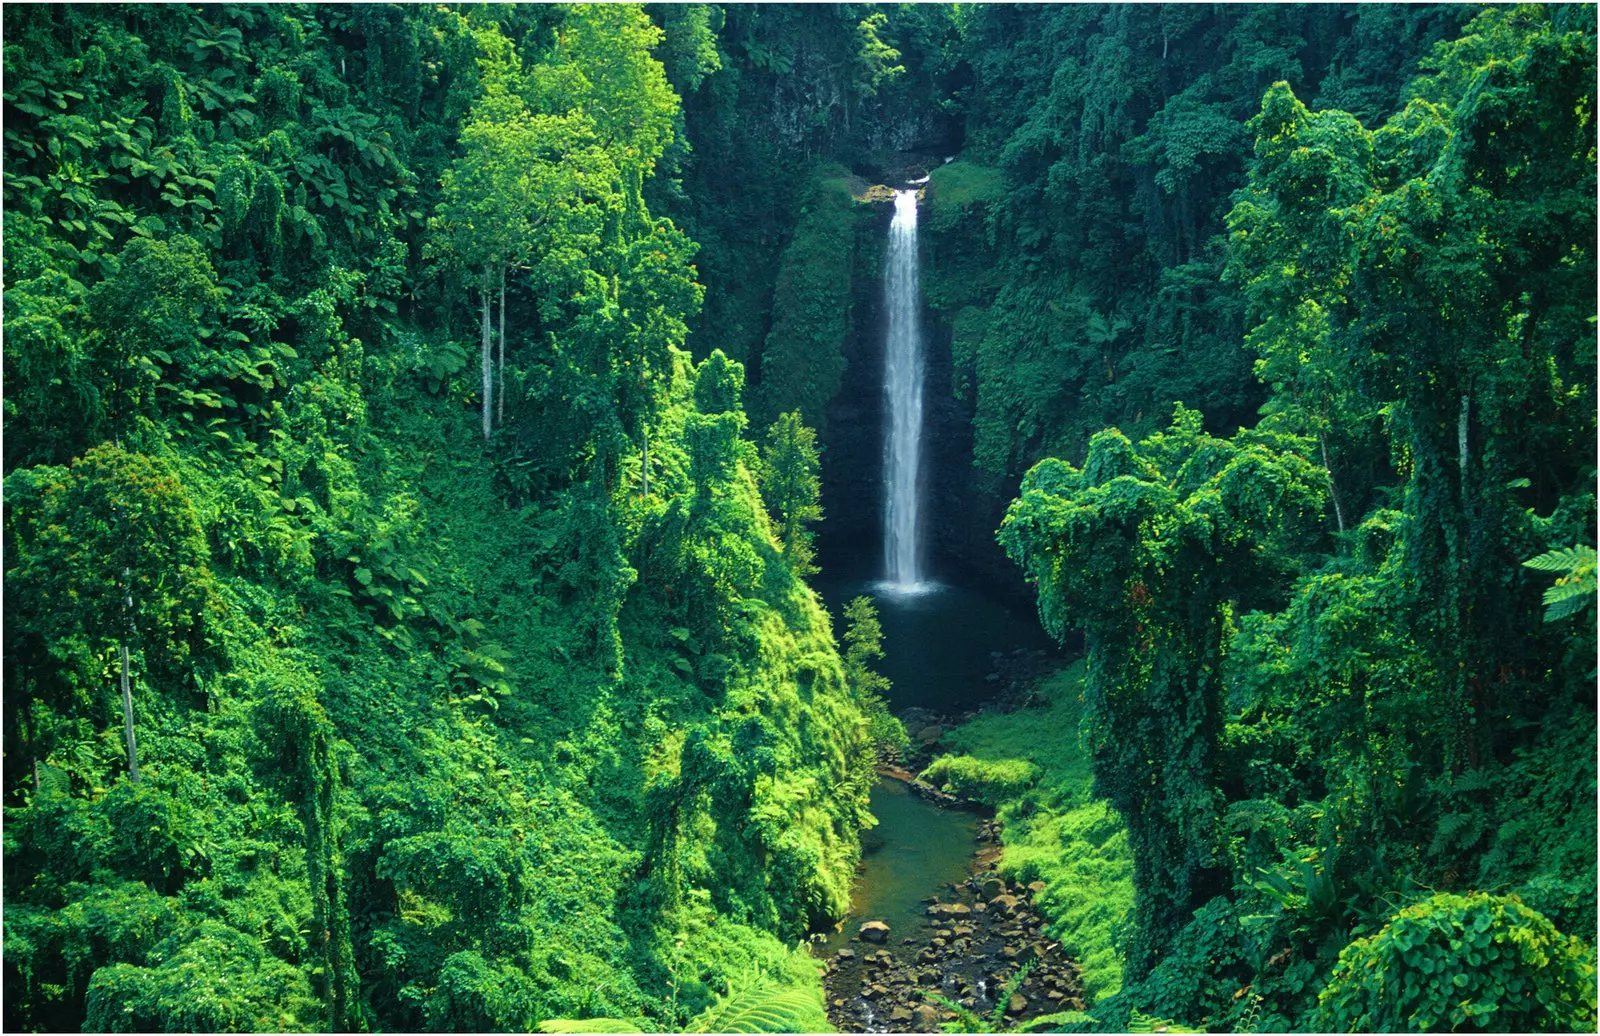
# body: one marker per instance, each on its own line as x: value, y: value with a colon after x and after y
x: 940, y: 640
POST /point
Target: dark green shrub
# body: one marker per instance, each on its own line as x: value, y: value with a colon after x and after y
x: 1476, y: 962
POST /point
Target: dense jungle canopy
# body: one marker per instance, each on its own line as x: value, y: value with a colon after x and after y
x: 419, y: 421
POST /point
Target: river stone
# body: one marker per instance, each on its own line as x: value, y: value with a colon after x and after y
x: 939, y: 944
x: 847, y: 954
x: 1007, y: 903
x: 925, y: 1019
x: 874, y: 991
x: 992, y: 888
x: 961, y: 930
x: 874, y: 931
x: 1035, y: 887
x: 900, y: 1014
x: 1017, y: 1004
x: 930, y: 735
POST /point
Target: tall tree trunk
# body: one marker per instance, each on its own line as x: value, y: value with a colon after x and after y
x: 127, y: 687
x: 500, y: 411
x: 488, y: 370
x: 1333, y: 488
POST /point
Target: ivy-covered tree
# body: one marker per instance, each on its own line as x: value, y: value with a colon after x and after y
x: 1150, y: 549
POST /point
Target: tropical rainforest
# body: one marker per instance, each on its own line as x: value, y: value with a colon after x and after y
x: 420, y: 421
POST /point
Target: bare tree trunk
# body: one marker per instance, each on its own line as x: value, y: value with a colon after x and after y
x: 1333, y: 488
x: 127, y: 688
x: 488, y: 370
x: 500, y: 413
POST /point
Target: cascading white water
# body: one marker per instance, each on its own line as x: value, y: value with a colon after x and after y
x: 902, y: 386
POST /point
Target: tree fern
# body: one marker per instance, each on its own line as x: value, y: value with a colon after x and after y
x: 1575, y: 587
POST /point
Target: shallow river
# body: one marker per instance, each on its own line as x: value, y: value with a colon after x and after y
x: 915, y: 849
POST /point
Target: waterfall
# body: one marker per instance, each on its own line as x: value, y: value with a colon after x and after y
x: 902, y: 386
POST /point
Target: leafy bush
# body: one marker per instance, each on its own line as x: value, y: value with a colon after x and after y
x: 1476, y: 962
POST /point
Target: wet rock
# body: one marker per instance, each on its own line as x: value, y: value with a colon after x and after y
x: 992, y: 888
x: 1010, y: 953
x: 846, y: 954
x: 907, y: 941
x: 900, y: 1014
x: 939, y: 944
x: 925, y: 1019
x: 960, y: 930
x: 1036, y: 887
x: 944, y: 933
x: 1005, y: 902
x: 838, y: 1003
x: 930, y: 735
x: 876, y: 991
x: 1017, y: 1004
x: 874, y: 931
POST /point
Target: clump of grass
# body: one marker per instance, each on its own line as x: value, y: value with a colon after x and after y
x: 961, y: 183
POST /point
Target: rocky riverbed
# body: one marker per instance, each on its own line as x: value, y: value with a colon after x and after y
x: 973, y: 938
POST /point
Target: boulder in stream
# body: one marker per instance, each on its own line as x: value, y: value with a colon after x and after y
x: 874, y: 931
x: 925, y: 1019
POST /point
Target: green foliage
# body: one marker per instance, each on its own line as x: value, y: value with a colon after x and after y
x: 991, y: 782
x: 790, y: 485
x: 214, y: 979
x: 863, y: 640
x: 1139, y: 1022
x: 1574, y: 588
x: 802, y: 361
x: 760, y: 1005
x: 587, y: 1025
x: 407, y: 703
x: 1476, y: 962
x: 1146, y: 549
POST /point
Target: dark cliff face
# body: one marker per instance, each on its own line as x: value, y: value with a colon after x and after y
x: 964, y: 507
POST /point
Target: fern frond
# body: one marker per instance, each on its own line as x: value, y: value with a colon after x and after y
x: 764, y: 1006
x: 997, y: 1020
x: 1564, y: 560
x: 1049, y: 1022
x: 1564, y: 607
x: 1140, y: 1022
x: 966, y: 1021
